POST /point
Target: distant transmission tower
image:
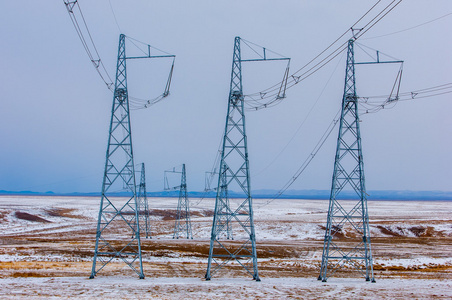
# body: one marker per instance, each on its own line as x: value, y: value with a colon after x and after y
x: 182, y: 226
x: 234, y: 169
x: 143, y: 206
x: 118, y: 218
x: 347, y: 235
x: 225, y: 219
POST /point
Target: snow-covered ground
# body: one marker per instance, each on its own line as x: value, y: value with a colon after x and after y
x: 195, y: 288
x: 46, y: 247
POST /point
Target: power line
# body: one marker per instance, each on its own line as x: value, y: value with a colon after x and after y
x: 88, y: 44
x: 391, y: 99
x: 93, y: 54
x: 371, y: 104
x: 436, y: 90
x: 114, y: 16
x: 413, y: 94
x: 331, y: 45
x: 406, y: 29
x: 304, y: 120
x: 295, y: 78
x: 308, y: 160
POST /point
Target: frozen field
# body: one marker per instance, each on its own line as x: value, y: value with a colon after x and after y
x: 47, y: 243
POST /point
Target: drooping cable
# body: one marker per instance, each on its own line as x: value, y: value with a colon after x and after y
x: 307, y: 161
x: 210, y: 175
x: 143, y: 103
x: 410, y: 28
x: 371, y: 104
x: 296, y: 78
x: 254, y: 102
x: 304, y: 120
x: 114, y: 16
x: 88, y: 44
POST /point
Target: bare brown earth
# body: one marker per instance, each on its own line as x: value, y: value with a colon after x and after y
x: 279, y: 257
x: 65, y: 249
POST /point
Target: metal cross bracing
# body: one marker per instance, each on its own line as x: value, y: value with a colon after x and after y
x: 118, y: 227
x: 118, y: 217
x: 143, y: 206
x: 344, y: 220
x: 224, y: 220
x: 182, y: 226
x: 234, y: 214
x: 347, y: 235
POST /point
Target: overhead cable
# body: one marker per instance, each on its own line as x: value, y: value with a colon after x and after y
x: 88, y: 44
x: 406, y: 29
x: 308, y: 160
x: 314, y: 65
x: 93, y: 54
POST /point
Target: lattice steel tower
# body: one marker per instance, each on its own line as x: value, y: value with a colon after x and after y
x: 118, y: 227
x: 236, y: 214
x: 118, y: 231
x: 234, y: 168
x: 224, y: 219
x: 143, y: 205
x: 182, y: 227
x: 347, y: 236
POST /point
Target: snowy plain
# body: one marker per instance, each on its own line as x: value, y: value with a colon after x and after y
x: 46, y: 247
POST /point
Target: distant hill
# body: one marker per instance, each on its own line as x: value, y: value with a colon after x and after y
x: 267, y: 193
x: 372, y: 195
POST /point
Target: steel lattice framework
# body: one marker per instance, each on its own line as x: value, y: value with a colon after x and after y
x: 118, y: 227
x: 345, y: 219
x: 234, y: 168
x: 234, y: 215
x: 143, y: 205
x: 118, y: 232
x: 347, y: 235
x: 182, y: 227
x: 224, y: 219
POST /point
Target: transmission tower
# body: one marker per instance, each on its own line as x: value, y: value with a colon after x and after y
x: 234, y: 169
x: 347, y: 235
x: 225, y: 220
x: 348, y: 172
x: 144, y: 205
x: 182, y: 226
x: 118, y: 218
x: 118, y: 215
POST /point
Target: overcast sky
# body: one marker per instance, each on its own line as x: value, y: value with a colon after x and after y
x: 56, y: 110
